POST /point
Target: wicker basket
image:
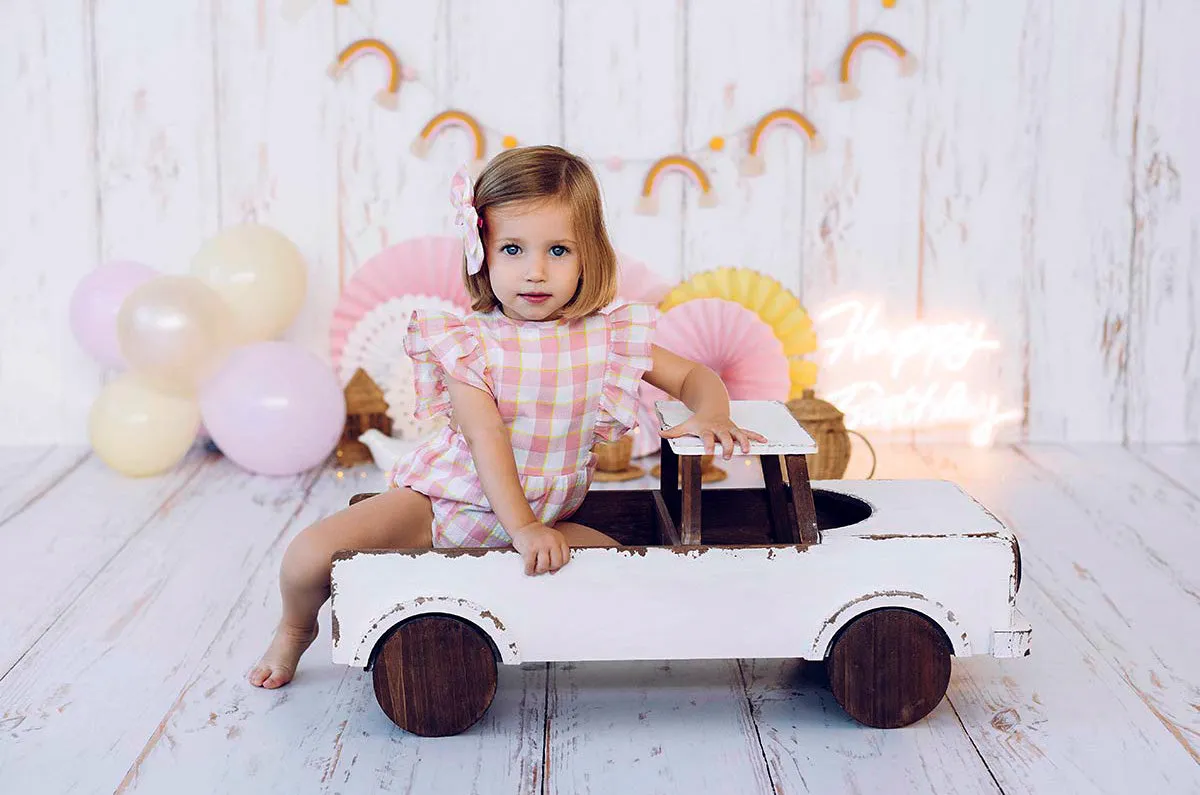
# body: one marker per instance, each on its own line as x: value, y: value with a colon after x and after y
x: 825, y: 423
x: 614, y: 456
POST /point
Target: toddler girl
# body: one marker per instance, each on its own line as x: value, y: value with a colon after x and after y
x: 530, y: 380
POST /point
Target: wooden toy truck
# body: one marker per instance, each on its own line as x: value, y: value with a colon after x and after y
x: 882, y: 580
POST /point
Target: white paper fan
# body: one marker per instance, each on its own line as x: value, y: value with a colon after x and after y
x: 376, y: 344
x: 401, y: 397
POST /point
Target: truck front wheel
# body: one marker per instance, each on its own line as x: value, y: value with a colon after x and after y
x: 889, y: 668
x: 435, y: 675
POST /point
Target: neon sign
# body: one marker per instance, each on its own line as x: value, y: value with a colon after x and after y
x: 917, y: 374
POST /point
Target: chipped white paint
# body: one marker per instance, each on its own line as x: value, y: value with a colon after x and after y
x: 927, y: 546
x: 1108, y: 545
x: 32, y: 533
x: 167, y: 586
x: 771, y: 418
x: 966, y: 189
x: 158, y: 689
x: 1164, y: 339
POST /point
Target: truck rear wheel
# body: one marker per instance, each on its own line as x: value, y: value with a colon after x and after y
x: 435, y: 675
x: 889, y: 668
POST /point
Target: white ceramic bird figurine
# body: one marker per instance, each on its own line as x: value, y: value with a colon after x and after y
x: 386, y: 450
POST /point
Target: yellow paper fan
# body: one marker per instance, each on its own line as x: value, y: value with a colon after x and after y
x: 804, y: 376
x: 771, y: 301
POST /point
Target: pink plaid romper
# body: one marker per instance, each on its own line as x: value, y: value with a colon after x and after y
x: 561, y: 386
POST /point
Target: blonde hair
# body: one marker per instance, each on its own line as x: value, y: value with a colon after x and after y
x: 549, y: 173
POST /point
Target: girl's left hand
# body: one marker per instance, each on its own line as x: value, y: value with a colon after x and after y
x: 712, y: 430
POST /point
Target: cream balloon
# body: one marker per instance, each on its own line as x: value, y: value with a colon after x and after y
x: 261, y: 275
x: 176, y: 331
x: 138, y: 430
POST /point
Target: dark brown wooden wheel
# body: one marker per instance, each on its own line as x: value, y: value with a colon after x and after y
x: 435, y: 675
x: 889, y: 668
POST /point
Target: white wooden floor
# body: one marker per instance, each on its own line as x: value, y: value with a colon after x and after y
x: 132, y: 609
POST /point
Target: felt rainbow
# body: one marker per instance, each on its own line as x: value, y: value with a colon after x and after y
x: 908, y: 63
x: 674, y: 164
x: 387, y: 96
x: 444, y: 121
x: 753, y: 164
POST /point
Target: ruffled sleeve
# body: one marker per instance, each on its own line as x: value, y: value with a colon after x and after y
x: 440, y: 344
x: 630, y: 336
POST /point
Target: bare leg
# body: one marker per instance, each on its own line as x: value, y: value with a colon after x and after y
x: 394, y: 519
x: 578, y: 535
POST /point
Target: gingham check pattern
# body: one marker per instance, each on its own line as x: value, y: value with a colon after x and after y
x: 559, y: 386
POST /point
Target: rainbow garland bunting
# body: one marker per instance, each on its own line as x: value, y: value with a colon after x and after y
x: 751, y: 164
x: 677, y: 164
x: 908, y: 63
x: 446, y: 120
x: 388, y: 96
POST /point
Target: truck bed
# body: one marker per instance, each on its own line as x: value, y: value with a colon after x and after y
x: 742, y: 516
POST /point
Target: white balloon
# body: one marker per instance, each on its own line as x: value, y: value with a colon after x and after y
x: 138, y: 430
x: 260, y: 273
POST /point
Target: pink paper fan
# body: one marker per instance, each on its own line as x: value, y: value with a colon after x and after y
x: 430, y: 266
x: 723, y: 335
x: 637, y: 283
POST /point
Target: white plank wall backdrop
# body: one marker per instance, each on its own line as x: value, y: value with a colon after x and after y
x: 385, y: 194
x: 1078, y: 279
x: 624, y: 91
x: 978, y: 151
x: 277, y: 141
x: 863, y: 210
x: 48, y: 216
x: 720, y: 98
x: 1038, y: 172
x: 1165, y: 283
x: 156, y: 131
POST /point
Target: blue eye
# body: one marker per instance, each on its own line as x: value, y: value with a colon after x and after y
x: 512, y: 249
x: 558, y: 251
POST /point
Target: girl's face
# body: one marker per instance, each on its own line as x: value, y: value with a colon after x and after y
x: 532, y: 257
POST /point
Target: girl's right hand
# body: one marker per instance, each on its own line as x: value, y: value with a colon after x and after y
x: 542, y: 548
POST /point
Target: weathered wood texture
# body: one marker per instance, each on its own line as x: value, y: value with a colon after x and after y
x: 49, y: 217
x: 739, y: 66
x: 129, y: 643
x: 435, y: 676
x: 1178, y: 463
x: 812, y: 745
x: 889, y: 668
x: 278, y: 139
x: 619, y: 726
x: 160, y: 596
x: 1035, y: 173
x: 1105, y: 543
x: 332, y: 736
x: 1165, y: 272
x: 624, y: 86
x: 34, y: 589
x: 1086, y: 57
x: 27, y: 473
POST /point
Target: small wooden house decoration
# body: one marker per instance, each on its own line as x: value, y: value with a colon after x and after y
x: 365, y: 409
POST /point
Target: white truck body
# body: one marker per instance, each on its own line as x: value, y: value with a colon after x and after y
x: 927, y: 546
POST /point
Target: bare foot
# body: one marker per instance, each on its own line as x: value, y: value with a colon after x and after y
x: 278, y: 663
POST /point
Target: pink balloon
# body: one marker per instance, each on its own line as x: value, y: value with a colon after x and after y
x: 95, y: 303
x: 274, y: 408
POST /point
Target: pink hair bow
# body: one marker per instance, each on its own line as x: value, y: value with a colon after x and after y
x: 462, y: 196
